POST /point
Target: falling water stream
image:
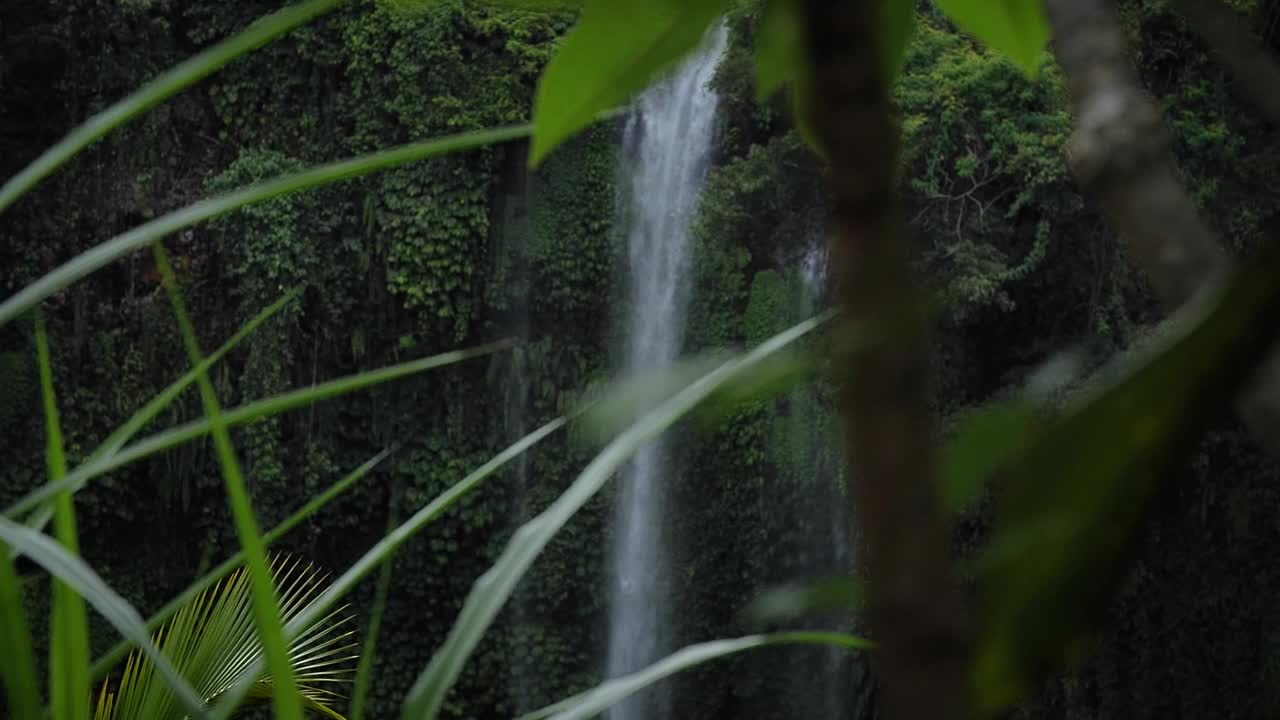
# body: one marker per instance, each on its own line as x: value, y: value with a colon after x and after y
x: 668, y: 143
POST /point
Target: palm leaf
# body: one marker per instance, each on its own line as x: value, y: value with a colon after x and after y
x: 212, y: 641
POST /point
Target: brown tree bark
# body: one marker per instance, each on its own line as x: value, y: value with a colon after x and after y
x: 916, y: 612
x: 1120, y: 153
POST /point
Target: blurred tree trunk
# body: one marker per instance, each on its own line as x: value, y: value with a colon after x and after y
x: 915, y: 612
x: 1120, y: 153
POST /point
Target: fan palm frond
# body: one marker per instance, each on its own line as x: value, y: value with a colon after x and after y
x: 213, y: 642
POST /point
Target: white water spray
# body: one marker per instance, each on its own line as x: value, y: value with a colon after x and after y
x: 669, y: 142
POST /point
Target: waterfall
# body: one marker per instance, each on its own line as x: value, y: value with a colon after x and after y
x: 522, y: 668
x: 821, y: 676
x: 668, y: 143
x: 804, y: 509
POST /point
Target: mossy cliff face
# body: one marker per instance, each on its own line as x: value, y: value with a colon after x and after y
x: 452, y: 252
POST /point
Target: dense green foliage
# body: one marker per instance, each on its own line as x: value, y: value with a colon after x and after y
x: 452, y: 251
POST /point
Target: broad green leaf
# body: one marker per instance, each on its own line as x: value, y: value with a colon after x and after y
x: 1071, y: 504
x: 153, y: 93
x: 18, y: 671
x: 156, y: 405
x: 266, y: 407
x: 386, y: 548
x: 794, y: 602
x: 617, y: 48
x: 897, y: 20
x: 986, y: 438
x: 285, y: 705
x: 109, y: 659
x: 595, y: 701
x: 1017, y: 28
x: 493, y: 589
x: 781, y: 58
x: 72, y: 571
x: 143, y: 235
x: 69, y: 645
x: 780, y: 55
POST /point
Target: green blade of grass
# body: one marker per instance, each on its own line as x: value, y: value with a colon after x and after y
x: 285, y: 703
x: 603, y: 696
x: 493, y: 589
x: 274, y: 405
x: 18, y: 671
x: 156, y: 405
x: 69, y: 645
x: 143, y: 235
x: 69, y: 569
x: 153, y: 93
x: 386, y: 547
x: 365, y: 668
x: 103, y: 665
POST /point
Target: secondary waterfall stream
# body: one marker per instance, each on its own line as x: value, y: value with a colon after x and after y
x: 668, y: 143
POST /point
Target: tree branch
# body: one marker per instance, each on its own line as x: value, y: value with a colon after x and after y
x: 916, y: 611
x: 1254, y: 68
x: 1120, y: 153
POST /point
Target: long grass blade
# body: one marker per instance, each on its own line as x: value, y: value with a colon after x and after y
x: 274, y: 405
x: 68, y: 568
x: 153, y: 93
x: 493, y: 589
x: 18, y: 670
x: 69, y: 645
x: 365, y: 669
x: 143, y: 235
x: 156, y: 405
x: 285, y: 703
x: 103, y: 665
x: 385, y: 548
x: 605, y: 695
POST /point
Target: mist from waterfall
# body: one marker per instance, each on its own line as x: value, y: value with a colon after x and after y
x: 668, y: 144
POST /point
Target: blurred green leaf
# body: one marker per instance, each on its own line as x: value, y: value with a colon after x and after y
x: 773, y: 376
x: 1071, y: 504
x: 795, y: 602
x: 897, y: 25
x: 986, y: 438
x: 779, y: 47
x: 1017, y: 28
x: 780, y: 44
x: 617, y: 48
x: 595, y: 701
x: 617, y: 406
x: 623, y: 402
